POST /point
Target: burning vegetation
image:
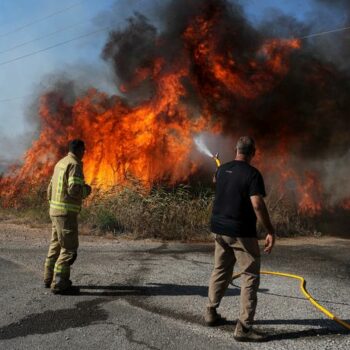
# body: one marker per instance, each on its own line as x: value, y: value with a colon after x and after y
x: 204, y: 69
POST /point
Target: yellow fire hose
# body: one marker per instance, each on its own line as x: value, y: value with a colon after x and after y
x: 306, y: 294
x: 302, y: 283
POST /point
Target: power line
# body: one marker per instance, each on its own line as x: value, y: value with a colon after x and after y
x: 41, y: 37
x: 40, y: 19
x: 326, y: 32
x: 15, y: 98
x: 53, y: 46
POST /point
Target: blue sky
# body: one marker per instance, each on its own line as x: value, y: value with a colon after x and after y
x: 19, y: 79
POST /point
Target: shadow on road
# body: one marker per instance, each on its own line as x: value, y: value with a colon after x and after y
x: 153, y: 289
x: 83, y: 314
x: 328, y: 327
x: 305, y: 334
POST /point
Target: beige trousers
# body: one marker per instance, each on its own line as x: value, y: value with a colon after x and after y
x: 62, y: 251
x: 246, y: 252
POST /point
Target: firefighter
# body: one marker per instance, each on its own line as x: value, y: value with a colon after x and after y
x: 65, y: 193
x: 238, y: 203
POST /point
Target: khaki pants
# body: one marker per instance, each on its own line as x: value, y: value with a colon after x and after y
x: 246, y: 251
x: 62, y: 251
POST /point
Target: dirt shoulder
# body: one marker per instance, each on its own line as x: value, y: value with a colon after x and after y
x: 18, y: 228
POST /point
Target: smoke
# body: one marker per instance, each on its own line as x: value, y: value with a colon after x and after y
x: 303, y: 104
x: 63, y: 86
x: 335, y: 48
x: 342, y: 5
x: 130, y: 50
x: 291, y: 101
x: 307, y: 111
x: 12, y: 148
x: 336, y: 178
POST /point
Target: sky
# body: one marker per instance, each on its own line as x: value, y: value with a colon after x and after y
x: 27, y: 26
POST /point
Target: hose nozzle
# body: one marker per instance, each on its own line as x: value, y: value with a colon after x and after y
x: 217, y: 160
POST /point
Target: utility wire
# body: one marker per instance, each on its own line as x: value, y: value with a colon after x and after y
x: 40, y: 19
x: 42, y: 37
x: 323, y: 33
x: 53, y: 46
x: 15, y: 98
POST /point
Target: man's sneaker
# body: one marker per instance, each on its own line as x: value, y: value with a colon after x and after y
x: 212, y: 318
x: 72, y: 290
x: 246, y: 334
x: 47, y: 284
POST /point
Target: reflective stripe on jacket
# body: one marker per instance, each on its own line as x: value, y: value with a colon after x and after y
x: 67, y: 186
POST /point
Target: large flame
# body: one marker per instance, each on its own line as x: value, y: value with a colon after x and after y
x: 152, y: 141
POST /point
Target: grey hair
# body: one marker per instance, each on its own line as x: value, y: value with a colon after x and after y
x: 245, y: 145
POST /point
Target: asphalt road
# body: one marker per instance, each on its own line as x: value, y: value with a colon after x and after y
x: 152, y: 295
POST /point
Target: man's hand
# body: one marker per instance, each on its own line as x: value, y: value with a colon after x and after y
x: 269, y: 243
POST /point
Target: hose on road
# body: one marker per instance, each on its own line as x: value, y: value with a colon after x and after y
x: 306, y: 294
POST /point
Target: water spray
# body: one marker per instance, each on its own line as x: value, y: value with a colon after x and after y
x: 202, y: 147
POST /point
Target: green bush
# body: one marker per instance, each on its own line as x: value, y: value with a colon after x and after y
x: 106, y: 221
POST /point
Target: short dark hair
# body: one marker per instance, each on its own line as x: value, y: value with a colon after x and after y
x: 76, y: 145
x: 245, y: 145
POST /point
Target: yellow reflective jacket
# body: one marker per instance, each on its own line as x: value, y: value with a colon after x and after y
x: 67, y: 187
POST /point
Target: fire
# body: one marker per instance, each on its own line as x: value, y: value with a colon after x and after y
x: 304, y: 186
x: 310, y: 191
x: 152, y: 141
x: 346, y: 204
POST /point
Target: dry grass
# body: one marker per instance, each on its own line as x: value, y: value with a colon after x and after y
x: 32, y: 209
x: 179, y: 213
x: 286, y: 218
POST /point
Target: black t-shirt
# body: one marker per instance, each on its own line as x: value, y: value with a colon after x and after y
x: 233, y: 213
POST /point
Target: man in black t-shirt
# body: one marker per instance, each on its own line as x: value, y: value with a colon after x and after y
x: 237, y: 206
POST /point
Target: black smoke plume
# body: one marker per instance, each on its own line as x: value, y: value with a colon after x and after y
x: 310, y: 105
x: 306, y: 110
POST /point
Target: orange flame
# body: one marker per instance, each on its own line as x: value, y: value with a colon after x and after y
x: 152, y: 141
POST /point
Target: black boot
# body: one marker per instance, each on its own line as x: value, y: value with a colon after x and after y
x: 72, y: 290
